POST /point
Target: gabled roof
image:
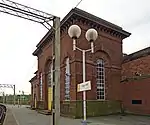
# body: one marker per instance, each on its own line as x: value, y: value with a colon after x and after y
x: 112, y: 28
x: 137, y: 55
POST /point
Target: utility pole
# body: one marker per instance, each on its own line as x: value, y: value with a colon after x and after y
x: 14, y: 94
x: 56, y: 73
x: 43, y: 18
x: 20, y: 97
x: 23, y: 97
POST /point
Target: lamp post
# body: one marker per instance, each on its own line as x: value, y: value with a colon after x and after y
x: 20, y: 97
x: 91, y: 35
x: 14, y: 94
x: 23, y: 97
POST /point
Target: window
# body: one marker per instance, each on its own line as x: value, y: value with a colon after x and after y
x: 41, y: 87
x: 50, y: 73
x: 136, y: 101
x: 67, y: 80
x: 100, y: 80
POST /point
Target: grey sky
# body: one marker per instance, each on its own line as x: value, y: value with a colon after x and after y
x: 18, y: 37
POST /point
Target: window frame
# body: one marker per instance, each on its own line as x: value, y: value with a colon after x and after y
x: 50, y: 76
x: 100, y: 80
x: 41, y: 86
x: 67, y: 80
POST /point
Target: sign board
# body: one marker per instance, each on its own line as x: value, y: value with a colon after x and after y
x: 84, y: 86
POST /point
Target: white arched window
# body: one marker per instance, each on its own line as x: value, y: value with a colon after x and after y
x: 50, y: 73
x: 67, y: 80
x: 41, y: 87
x: 100, y: 79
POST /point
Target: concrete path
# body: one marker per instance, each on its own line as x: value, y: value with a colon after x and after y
x: 9, y: 118
x: 25, y: 116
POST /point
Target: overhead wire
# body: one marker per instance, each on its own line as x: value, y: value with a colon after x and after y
x: 74, y: 7
x: 78, y: 3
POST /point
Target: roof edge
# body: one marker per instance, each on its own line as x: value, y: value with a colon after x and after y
x: 136, y: 55
x: 89, y: 17
x: 32, y: 79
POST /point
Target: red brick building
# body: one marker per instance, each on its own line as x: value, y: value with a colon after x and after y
x: 34, y: 91
x: 103, y: 68
x: 135, y: 82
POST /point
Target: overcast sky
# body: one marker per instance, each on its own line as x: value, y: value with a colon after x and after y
x: 18, y: 37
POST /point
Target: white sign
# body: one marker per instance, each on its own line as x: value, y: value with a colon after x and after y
x: 84, y: 86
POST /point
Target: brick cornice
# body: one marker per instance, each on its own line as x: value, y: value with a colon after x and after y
x: 118, y: 33
x: 33, y: 79
x: 80, y: 16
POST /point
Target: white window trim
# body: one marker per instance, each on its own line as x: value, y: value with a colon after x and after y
x: 99, y: 83
x: 67, y: 77
x: 41, y: 86
x: 50, y: 76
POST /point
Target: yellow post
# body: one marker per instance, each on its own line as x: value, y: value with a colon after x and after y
x: 35, y: 103
x: 50, y: 98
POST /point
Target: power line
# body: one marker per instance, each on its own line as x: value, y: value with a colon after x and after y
x: 75, y: 7
x: 78, y: 3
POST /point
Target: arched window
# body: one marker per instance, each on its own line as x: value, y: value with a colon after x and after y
x: 49, y: 75
x: 100, y: 80
x: 67, y: 80
x: 41, y: 87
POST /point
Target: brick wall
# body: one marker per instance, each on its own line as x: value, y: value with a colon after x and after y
x: 34, y: 90
x: 141, y: 65
x: 136, y: 90
x: 107, y: 47
x: 137, y: 87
